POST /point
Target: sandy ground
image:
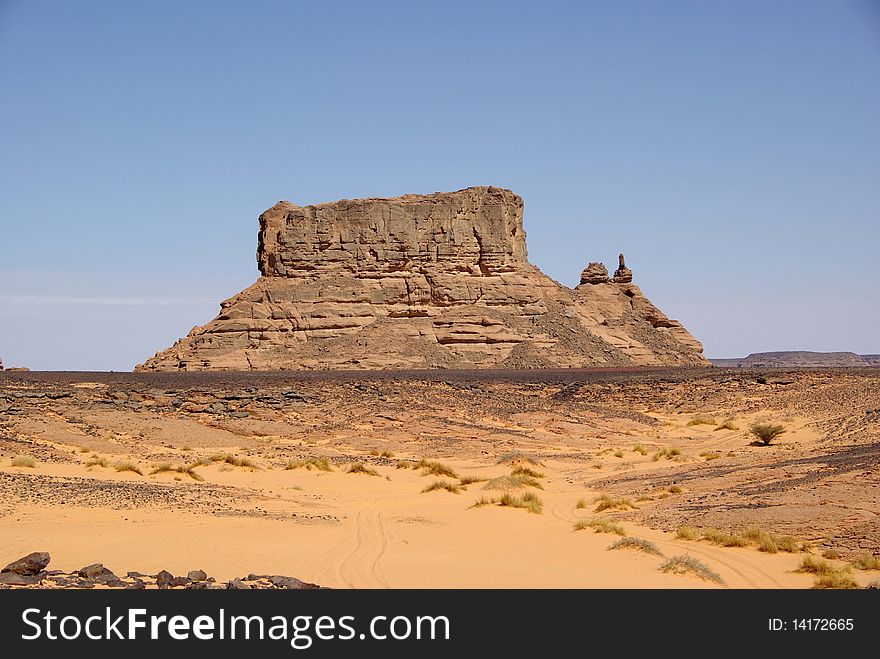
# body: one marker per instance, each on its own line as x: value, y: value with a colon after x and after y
x: 587, y: 436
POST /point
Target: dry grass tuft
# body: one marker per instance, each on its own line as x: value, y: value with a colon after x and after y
x: 514, y: 457
x: 230, y: 459
x: 382, y: 454
x: 675, y: 489
x: 703, y: 421
x: 513, y: 482
x: 97, y: 461
x: 525, y: 471
x: 727, y: 424
x: 689, y: 565
x: 443, y: 485
x: 358, y: 468
x: 608, y: 502
x: 599, y: 525
x: 638, y: 544
x: 687, y: 533
x: 710, y: 455
x: 724, y: 539
x: 667, y: 453
x: 434, y: 468
x: 866, y: 562
x: 124, y: 465
x: 484, y: 501
x: 467, y: 480
x: 24, y: 461
x: 640, y: 448
x: 581, y: 503
x: 321, y: 464
x: 529, y: 501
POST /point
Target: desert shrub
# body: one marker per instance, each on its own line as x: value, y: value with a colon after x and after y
x: 687, y: 533
x: 188, y: 470
x: 675, y: 489
x: 24, y: 461
x: 84, y: 449
x: 838, y: 579
x: 618, y: 454
x: 406, y: 464
x: 443, y: 485
x: 710, y: 455
x: 689, y: 565
x: 638, y: 544
x: 528, y: 501
x: 382, y: 454
x: 358, y: 468
x: 581, y: 503
x: 703, y: 421
x: 765, y: 433
x: 727, y: 424
x: 640, y: 448
x: 608, y: 502
x: 97, y: 461
x: 832, y: 554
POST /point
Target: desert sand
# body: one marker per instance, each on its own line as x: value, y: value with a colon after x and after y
x: 652, y: 442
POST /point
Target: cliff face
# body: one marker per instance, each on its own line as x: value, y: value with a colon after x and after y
x: 421, y: 281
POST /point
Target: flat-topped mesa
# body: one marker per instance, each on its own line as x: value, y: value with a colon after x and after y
x: 421, y: 281
x: 477, y: 230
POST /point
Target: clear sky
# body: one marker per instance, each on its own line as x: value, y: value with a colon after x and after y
x: 731, y: 149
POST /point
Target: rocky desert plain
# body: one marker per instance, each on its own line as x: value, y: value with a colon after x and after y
x: 401, y: 400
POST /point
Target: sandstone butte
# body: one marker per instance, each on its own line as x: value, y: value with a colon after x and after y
x: 422, y: 281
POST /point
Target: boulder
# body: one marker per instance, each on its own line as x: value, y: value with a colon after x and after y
x: 29, y: 565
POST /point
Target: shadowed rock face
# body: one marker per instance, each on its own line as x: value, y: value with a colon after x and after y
x: 420, y: 281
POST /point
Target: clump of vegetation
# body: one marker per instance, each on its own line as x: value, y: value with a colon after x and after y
x: 233, y: 460
x: 512, y: 482
x: 727, y: 424
x: 321, y: 464
x: 667, y: 453
x: 484, y: 501
x: 84, y: 449
x: 831, y: 554
x: 24, y: 461
x: 703, y: 421
x: 97, y: 461
x: 164, y: 467
x: 724, y: 539
x: 513, y: 457
x: 710, y: 455
x: 406, y: 464
x: 675, y: 489
x: 866, y: 562
x: 434, y: 468
x: 359, y: 468
x: 689, y: 565
x: 529, y: 501
x: 765, y: 433
x: 124, y: 465
x: 640, y: 448
x: 608, y: 502
x: 687, y: 533
x: 638, y: 544
x: 581, y: 503
x: 467, y: 480
x: 443, y: 485
x: 382, y: 454
x: 618, y: 454
x: 599, y: 525
x: 765, y: 540
x: 827, y: 575
x: 525, y: 471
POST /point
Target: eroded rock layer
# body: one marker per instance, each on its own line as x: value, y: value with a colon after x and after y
x: 421, y: 281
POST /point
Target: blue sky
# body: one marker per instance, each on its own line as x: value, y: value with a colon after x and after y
x: 730, y: 149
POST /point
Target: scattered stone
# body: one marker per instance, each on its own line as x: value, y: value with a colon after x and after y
x: 94, y: 571
x: 197, y: 575
x: 164, y: 579
x: 237, y: 584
